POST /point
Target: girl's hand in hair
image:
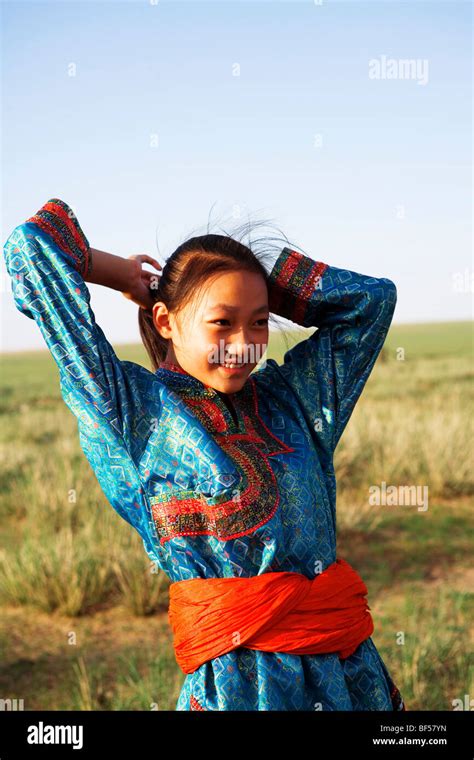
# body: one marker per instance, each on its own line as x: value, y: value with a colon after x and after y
x: 142, y: 281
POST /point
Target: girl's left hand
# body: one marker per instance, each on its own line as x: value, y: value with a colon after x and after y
x: 141, y: 280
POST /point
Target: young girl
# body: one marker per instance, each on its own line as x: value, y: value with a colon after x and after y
x: 227, y: 476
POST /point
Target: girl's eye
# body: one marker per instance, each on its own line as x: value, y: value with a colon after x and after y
x: 226, y: 320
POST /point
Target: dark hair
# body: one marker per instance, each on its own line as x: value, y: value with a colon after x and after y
x: 189, y: 268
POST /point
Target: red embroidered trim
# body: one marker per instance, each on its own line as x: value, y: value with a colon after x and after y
x: 281, y: 446
x: 194, y: 704
x: 57, y: 237
x: 53, y: 218
x: 173, y: 367
x: 252, y: 500
x: 296, y: 281
x: 397, y: 700
x: 306, y: 291
x: 282, y: 280
x: 211, y: 411
x: 226, y: 518
x: 176, y: 368
x: 70, y: 221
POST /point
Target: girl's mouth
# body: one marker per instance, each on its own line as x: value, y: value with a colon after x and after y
x: 231, y: 368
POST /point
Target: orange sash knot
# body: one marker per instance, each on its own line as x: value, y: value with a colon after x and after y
x: 271, y: 612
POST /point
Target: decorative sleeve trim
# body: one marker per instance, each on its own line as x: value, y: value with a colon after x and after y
x: 59, y: 221
x: 291, y: 283
x: 194, y: 703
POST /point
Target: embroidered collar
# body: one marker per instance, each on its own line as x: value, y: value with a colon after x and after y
x: 176, y: 368
x: 172, y: 367
x: 239, y: 492
x: 210, y: 408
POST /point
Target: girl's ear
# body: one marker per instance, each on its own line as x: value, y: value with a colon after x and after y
x: 161, y: 319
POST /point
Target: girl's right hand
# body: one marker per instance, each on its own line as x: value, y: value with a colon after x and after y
x: 141, y: 280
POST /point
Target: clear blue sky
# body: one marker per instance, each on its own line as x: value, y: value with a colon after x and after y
x: 387, y: 147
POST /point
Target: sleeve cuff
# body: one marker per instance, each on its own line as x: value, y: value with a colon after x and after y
x: 58, y: 220
x: 291, y: 283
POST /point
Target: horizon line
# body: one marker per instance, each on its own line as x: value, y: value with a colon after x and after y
x: 297, y: 328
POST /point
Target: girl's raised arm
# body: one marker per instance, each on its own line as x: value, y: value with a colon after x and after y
x: 352, y: 312
x: 48, y: 258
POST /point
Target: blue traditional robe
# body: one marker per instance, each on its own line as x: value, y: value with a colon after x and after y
x: 211, y: 496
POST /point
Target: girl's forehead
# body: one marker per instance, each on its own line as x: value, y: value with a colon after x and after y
x: 249, y: 291
x: 235, y: 292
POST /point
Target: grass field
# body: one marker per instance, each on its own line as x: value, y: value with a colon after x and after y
x: 83, y: 621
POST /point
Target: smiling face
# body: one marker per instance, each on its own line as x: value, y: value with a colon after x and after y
x: 228, y: 320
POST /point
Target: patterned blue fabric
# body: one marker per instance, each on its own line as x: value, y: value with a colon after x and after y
x: 207, y: 504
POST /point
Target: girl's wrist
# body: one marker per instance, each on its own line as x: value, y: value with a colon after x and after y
x: 111, y: 271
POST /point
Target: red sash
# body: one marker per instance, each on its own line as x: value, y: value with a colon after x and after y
x: 271, y: 612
